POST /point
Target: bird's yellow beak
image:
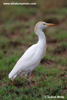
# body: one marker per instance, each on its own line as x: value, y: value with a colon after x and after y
x: 50, y: 24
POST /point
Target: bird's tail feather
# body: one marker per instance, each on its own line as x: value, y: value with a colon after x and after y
x: 13, y: 74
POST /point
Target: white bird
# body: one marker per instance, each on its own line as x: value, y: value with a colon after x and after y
x: 32, y: 57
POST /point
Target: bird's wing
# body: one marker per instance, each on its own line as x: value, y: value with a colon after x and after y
x: 30, y: 49
x: 30, y: 58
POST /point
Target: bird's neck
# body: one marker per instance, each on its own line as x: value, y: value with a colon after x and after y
x: 41, y: 37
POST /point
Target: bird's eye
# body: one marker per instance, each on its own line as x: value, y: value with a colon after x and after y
x: 44, y: 24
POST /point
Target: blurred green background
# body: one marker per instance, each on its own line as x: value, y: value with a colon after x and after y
x: 17, y: 34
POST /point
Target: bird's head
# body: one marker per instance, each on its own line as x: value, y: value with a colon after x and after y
x: 41, y: 25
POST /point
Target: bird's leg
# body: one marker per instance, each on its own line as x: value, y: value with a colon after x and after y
x: 25, y: 75
x: 30, y: 85
x: 31, y: 76
x: 22, y: 76
x: 30, y: 73
x: 29, y: 80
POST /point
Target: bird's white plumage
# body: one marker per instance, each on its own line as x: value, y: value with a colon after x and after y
x: 32, y: 57
x: 28, y: 61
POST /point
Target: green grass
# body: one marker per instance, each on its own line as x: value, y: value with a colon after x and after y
x: 59, y: 11
x: 61, y: 36
x: 16, y: 35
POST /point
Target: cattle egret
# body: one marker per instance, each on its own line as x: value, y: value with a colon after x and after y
x: 32, y: 57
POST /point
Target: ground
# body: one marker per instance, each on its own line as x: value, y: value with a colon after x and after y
x: 16, y: 35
